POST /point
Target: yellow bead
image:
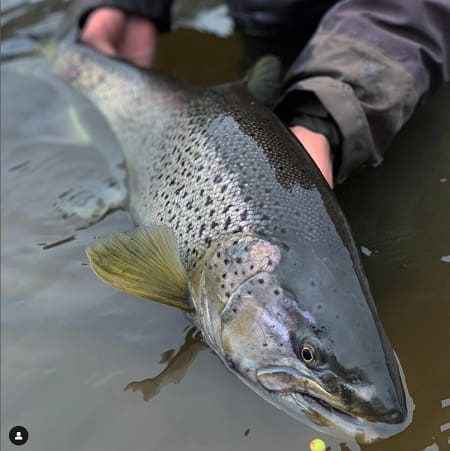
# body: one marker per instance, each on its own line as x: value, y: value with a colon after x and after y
x: 317, y: 445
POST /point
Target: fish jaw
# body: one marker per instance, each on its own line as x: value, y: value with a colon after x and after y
x: 312, y: 405
x: 253, y: 322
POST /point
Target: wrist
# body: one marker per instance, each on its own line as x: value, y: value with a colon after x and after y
x: 318, y: 148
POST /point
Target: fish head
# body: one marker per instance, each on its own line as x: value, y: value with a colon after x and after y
x: 302, y: 331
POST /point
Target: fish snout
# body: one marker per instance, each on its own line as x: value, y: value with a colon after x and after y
x: 389, y: 409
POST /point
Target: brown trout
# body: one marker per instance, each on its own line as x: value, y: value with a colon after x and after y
x: 237, y: 226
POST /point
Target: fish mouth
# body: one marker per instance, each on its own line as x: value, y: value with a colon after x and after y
x: 324, y: 408
x: 306, y: 393
x: 307, y: 398
x: 324, y: 413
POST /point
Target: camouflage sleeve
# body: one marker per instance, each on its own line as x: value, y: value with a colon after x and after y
x: 157, y: 10
x: 365, y: 70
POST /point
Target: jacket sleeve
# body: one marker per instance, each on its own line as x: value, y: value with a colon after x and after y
x: 365, y: 70
x: 157, y: 10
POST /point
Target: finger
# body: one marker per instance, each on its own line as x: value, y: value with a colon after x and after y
x: 139, y: 41
x: 104, y: 30
x: 104, y: 47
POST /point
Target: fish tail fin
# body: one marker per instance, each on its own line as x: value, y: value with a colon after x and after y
x: 67, y: 33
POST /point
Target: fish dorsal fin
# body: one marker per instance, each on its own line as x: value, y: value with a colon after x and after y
x: 144, y: 262
x: 264, y: 79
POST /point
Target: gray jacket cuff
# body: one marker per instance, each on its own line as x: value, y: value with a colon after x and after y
x: 368, y: 95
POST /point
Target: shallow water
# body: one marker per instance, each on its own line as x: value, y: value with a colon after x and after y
x: 77, y: 356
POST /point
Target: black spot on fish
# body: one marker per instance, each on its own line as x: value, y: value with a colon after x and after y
x: 261, y: 281
x: 247, y: 199
x: 217, y: 179
x: 223, y: 189
x: 276, y: 292
x: 225, y: 210
x: 208, y: 201
x: 214, y: 224
x: 202, y: 229
x: 212, y: 212
x: 227, y: 223
x: 244, y: 215
x: 226, y: 261
x: 239, y: 260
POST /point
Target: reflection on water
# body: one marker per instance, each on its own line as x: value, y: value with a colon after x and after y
x: 71, y: 344
x: 177, y: 365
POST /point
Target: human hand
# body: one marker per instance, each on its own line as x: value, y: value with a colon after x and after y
x: 115, y: 33
x: 319, y: 150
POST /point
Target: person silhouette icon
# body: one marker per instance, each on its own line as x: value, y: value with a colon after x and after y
x: 18, y: 435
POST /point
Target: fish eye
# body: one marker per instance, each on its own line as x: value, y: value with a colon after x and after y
x: 308, y: 353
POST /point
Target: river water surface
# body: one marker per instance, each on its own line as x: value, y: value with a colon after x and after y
x: 80, y: 361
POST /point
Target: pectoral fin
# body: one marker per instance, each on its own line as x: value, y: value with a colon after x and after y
x: 144, y: 262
